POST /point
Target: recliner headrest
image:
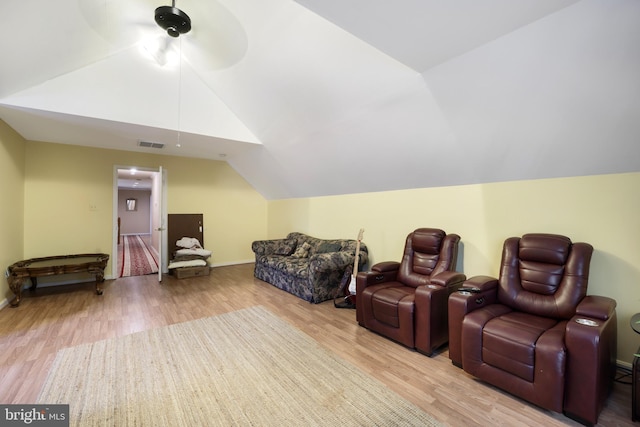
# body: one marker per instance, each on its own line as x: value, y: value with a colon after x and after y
x: 544, y: 248
x: 427, y: 240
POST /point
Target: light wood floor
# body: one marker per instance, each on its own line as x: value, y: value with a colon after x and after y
x: 55, y: 318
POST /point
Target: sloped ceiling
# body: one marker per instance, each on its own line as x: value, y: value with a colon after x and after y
x: 323, y: 97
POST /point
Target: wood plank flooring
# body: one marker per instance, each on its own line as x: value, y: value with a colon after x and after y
x: 64, y: 316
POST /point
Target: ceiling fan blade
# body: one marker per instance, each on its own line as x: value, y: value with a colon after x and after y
x: 217, y: 39
x: 121, y: 22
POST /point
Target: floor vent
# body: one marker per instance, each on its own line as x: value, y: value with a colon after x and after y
x: 150, y: 144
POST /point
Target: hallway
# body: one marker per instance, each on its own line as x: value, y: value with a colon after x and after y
x: 136, y: 256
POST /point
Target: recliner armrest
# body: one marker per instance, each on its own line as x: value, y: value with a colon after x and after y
x: 381, y: 272
x: 591, y: 342
x: 368, y: 278
x: 365, y: 279
x: 448, y: 278
x: 596, y: 307
x: 484, y: 283
x: 386, y: 266
x: 462, y: 303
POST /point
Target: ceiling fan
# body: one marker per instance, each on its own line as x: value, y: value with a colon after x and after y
x: 217, y: 41
x: 173, y: 20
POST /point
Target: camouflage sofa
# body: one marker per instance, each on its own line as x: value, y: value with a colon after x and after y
x: 305, y: 266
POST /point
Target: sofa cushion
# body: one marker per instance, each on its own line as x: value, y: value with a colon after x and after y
x: 271, y: 261
x: 294, y: 267
x: 285, y: 247
x: 326, y: 247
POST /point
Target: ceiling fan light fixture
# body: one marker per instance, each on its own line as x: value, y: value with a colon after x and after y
x: 173, y: 20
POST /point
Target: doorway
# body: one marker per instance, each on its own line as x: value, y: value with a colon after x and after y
x: 139, y: 214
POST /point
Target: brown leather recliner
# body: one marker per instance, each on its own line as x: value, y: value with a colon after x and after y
x: 407, y: 301
x: 533, y: 332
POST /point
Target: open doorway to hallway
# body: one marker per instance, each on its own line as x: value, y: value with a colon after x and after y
x: 138, y: 213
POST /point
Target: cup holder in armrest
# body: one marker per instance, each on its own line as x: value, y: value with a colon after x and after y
x: 586, y: 322
x: 468, y: 291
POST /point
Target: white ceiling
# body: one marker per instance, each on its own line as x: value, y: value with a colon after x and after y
x: 321, y: 97
x: 134, y: 179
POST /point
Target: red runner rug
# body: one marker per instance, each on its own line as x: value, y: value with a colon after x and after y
x: 137, y: 258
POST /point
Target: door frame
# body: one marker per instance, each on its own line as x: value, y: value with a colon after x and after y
x: 162, y: 176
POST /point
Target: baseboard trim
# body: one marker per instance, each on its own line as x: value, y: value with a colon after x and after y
x: 624, y: 365
x: 225, y: 264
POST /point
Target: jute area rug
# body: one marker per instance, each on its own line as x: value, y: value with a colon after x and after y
x: 245, y: 368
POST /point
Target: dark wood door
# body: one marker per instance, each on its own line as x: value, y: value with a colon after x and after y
x: 183, y: 225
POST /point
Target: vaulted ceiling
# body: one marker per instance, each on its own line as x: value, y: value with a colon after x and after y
x: 320, y: 97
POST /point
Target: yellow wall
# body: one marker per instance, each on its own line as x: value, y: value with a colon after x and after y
x: 12, y: 157
x: 234, y: 213
x: 62, y: 182
x: 602, y: 210
x: 69, y: 200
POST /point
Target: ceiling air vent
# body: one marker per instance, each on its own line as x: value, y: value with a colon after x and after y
x: 150, y: 144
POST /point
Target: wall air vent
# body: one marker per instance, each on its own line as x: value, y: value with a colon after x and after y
x: 150, y: 144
